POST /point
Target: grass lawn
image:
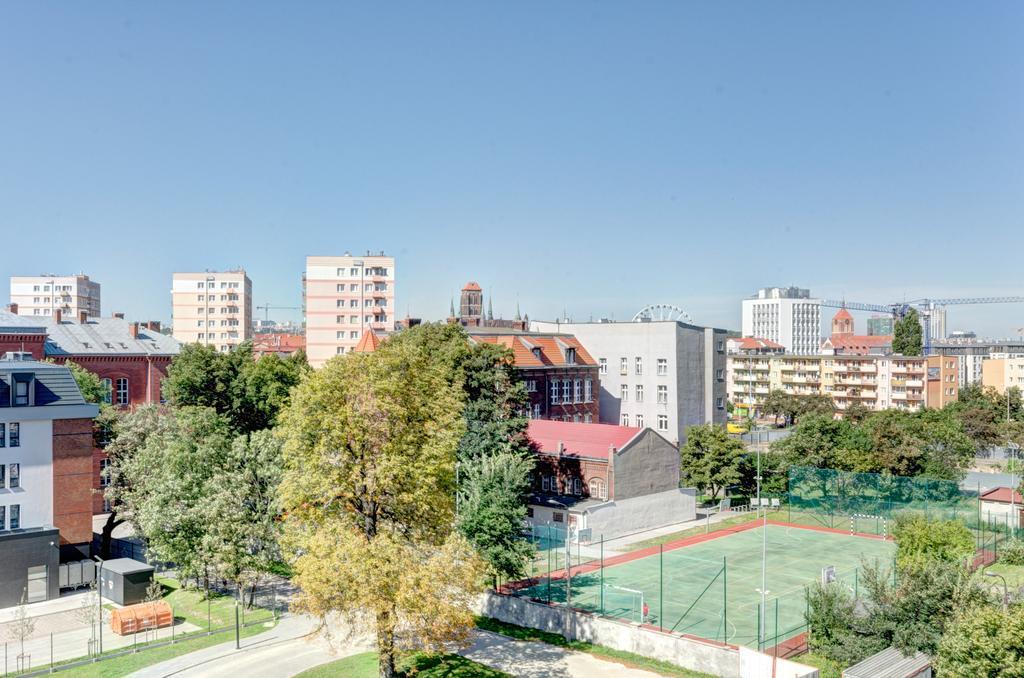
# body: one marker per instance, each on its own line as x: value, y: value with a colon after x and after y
x: 626, y: 658
x: 421, y: 665
x: 1014, y: 574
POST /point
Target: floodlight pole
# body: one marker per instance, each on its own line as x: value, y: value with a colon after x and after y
x: 99, y: 599
x: 764, y: 552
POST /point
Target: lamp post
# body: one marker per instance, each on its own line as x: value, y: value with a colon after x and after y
x: 99, y: 600
x: 1006, y: 593
x: 1013, y: 448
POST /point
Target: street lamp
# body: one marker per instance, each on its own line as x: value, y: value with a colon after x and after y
x: 99, y: 599
x: 1006, y: 592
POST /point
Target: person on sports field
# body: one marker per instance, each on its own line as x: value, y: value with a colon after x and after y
x: 647, y: 611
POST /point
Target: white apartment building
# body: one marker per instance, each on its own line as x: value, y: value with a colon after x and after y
x: 667, y: 375
x: 43, y: 295
x: 212, y: 308
x: 785, y: 315
x: 343, y: 297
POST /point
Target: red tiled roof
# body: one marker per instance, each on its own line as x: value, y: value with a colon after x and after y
x: 368, y: 343
x: 756, y: 342
x: 273, y: 342
x: 552, y: 348
x: 1002, y: 495
x: 842, y: 314
x: 590, y: 441
x: 471, y: 287
x: 859, y: 342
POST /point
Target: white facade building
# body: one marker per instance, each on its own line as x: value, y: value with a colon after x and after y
x: 44, y: 295
x: 342, y: 298
x: 666, y: 375
x: 785, y: 315
x: 212, y: 308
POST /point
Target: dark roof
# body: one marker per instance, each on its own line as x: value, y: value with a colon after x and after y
x: 54, y: 385
x: 96, y: 336
x: 889, y: 663
x: 126, y: 566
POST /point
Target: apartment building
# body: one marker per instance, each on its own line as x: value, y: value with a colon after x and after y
x: 45, y: 476
x: 45, y: 295
x: 784, y: 315
x: 876, y: 382
x: 342, y: 298
x: 667, y: 375
x: 213, y: 308
x: 1002, y: 371
x: 972, y: 354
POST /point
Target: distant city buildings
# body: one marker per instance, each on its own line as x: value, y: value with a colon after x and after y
x: 344, y: 296
x: 472, y: 314
x: 667, y: 375
x: 784, y: 315
x: 880, y: 325
x: 212, y: 308
x: 45, y: 295
x: 972, y: 354
x: 843, y: 340
x: 277, y: 343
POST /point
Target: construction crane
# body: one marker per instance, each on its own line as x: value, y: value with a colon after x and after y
x: 268, y: 308
x: 924, y: 307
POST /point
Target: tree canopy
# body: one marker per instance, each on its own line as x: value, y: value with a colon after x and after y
x: 906, y: 338
x: 710, y: 460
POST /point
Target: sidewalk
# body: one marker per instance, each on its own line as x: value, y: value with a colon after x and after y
x: 619, y: 545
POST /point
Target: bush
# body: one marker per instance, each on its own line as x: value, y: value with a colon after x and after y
x: 1012, y: 552
x: 919, y: 540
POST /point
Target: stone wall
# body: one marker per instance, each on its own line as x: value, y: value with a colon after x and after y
x: 619, y: 518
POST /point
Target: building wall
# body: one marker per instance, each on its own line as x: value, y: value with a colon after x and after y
x: 19, y: 552
x: 223, y: 321
x: 43, y: 295
x: 34, y: 455
x: 645, y: 512
x: 943, y: 380
x: 794, y: 323
x: 539, y: 382
x: 695, y: 384
x: 648, y: 466
x: 73, y: 480
x: 342, y: 298
x: 1003, y: 372
x: 566, y: 470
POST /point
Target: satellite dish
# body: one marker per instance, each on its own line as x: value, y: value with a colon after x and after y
x: 661, y: 312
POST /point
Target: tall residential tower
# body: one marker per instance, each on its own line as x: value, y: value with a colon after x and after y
x: 213, y: 308
x: 784, y: 315
x: 46, y: 294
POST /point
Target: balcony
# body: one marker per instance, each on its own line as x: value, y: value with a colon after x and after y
x: 915, y: 383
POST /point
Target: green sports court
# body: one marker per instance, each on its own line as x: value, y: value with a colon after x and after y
x: 707, y: 585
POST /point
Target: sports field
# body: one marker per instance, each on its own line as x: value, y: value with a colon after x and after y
x: 707, y: 586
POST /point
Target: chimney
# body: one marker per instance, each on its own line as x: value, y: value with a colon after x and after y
x: 119, y: 316
x: 83, y: 317
x: 153, y: 325
x: 57, y: 315
x: 13, y: 308
x: 133, y: 329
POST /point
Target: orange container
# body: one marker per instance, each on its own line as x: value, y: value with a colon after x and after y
x: 141, y: 617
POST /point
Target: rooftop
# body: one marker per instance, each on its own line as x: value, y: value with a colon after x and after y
x: 50, y: 385
x: 1002, y: 495
x: 533, y: 350
x: 96, y: 336
x: 586, y: 441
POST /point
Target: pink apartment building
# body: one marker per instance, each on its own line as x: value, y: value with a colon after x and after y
x: 342, y: 298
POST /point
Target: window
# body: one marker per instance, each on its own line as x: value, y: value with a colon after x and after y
x: 639, y: 393
x: 15, y: 434
x: 596, y: 487
x: 340, y: 288
x: 720, y: 403
x: 21, y: 384
x: 662, y: 422
x: 557, y: 517
x: 719, y: 375
x: 623, y: 366
x: 3, y: 438
x: 662, y: 367
x: 353, y: 303
x: 108, y: 386
x: 625, y: 420
x: 15, y: 516
x: 566, y: 390
x: 576, y: 487
x: 353, y: 271
x: 3, y: 482
x: 588, y: 390
x: 588, y: 418
x: 602, y: 365
x: 554, y: 392
x: 570, y: 356
x: 353, y: 287
x: 3, y: 517
x: 122, y: 391
x: 624, y: 393
x: 536, y: 411
x: 721, y: 346
x: 662, y: 394
x: 577, y: 391
x: 531, y: 385
x: 639, y: 365
x: 14, y: 474
x: 353, y: 335
x: 545, y: 484
x: 639, y: 421
x: 575, y: 418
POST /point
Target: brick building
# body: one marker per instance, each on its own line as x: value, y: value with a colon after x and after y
x: 46, y: 450
x: 609, y: 479
x: 561, y: 378
x: 472, y: 313
x: 130, y: 358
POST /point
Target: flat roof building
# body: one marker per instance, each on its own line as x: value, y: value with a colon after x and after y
x: 45, y: 295
x: 213, y: 308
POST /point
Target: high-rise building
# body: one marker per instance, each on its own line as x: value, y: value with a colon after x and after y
x: 667, y: 375
x: 212, y: 308
x: 1003, y: 371
x: 342, y: 298
x: 784, y: 315
x: 471, y: 304
x: 47, y: 294
x: 880, y: 326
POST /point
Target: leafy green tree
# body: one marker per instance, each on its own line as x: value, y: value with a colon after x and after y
x: 983, y: 641
x: 906, y: 338
x: 792, y: 407
x: 492, y: 509
x: 89, y: 383
x: 822, y: 441
x: 919, y: 540
x: 368, y: 491
x: 710, y: 459
x: 834, y: 628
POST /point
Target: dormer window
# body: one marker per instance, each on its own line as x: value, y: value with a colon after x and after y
x: 570, y: 356
x: 22, y: 391
x: 536, y: 352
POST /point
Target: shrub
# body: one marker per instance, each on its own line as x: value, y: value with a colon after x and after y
x: 1012, y: 552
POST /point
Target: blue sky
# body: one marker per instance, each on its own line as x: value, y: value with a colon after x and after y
x: 593, y: 157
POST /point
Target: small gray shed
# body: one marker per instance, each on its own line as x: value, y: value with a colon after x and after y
x: 124, y: 581
x: 891, y: 663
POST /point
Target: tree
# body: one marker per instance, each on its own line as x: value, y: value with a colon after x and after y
x: 906, y: 338
x: 792, y: 407
x: 21, y: 627
x: 92, y: 387
x: 983, y: 641
x: 710, y: 459
x: 368, y: 491
x: 919, y: 540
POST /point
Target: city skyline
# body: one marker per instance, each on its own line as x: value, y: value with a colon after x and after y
x: 625, y: 158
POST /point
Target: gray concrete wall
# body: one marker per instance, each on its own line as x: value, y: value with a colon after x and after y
x: 22, y: 550
x: 689, y: 379
x: 686, y: 651
x: 629, y: 516
x: 650, y: 464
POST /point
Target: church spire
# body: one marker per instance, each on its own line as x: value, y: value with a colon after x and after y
x: 490, y: 311
x: 518, y: 317
x: 451, y: 312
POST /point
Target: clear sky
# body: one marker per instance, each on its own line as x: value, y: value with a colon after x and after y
x: 587, y: 156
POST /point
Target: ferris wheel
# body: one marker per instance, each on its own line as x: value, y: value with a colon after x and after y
x: 662, y: 312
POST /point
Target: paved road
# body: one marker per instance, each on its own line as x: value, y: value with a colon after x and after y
x: 287, y: 650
